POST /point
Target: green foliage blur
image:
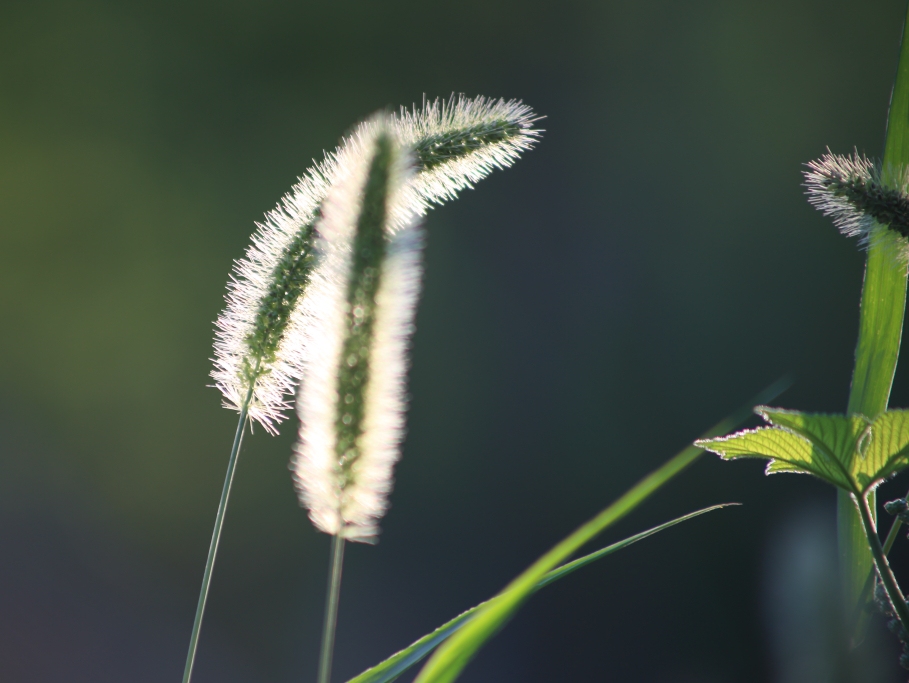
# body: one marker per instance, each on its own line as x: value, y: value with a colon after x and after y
x: 651, y: 265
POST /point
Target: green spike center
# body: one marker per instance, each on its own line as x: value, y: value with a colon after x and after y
x: 288, y: 282
x: 292, y: 274
x: 869, y: 196
x: 369, y: 247
x: 434, y: 150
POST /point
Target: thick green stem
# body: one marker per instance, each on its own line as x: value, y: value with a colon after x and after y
x: 883, y: 307
x: 331, y: 608
x: 897, y: 601
x: 215, y: 538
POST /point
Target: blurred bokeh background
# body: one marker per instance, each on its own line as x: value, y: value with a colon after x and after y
x: 643, y: 272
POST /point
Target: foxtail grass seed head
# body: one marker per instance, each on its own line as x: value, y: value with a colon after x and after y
x: 849, y: 190
x: 359, y: 306
x: 459, y: 141
x: 259, y: 336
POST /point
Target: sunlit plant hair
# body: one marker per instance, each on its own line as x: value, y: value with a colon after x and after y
x: 258, y: 342
x: 258, y: 339
x: 459, y: 141
x: 267, y: 332
x: 359, y: 310
x: 849, y: 189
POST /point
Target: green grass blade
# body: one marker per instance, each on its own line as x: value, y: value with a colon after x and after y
x: 448, y: 661
x: 896, y: 145
x: 881, y: 315
x: 398, y: 663
x: 574, y: 565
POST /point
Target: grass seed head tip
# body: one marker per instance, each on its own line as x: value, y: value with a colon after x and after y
x: 459, y: 141
x: 850, y: 190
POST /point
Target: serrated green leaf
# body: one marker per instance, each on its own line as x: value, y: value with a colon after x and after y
x: 780, y: 467
x: 398, y: 663
x: 839, y: 435
x: 794, y: 452
x: 850, y: 452
x: 885, y: 451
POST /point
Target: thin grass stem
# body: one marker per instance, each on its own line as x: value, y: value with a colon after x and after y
x: 891, y: 535
x: 869, y: 582
x: 216, y: 537
x: 897, y: 601
x: 331, y: 608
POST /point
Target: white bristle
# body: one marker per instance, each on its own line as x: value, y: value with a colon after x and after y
x: 249, y: 285
x: 253, y: 275
x: 849, y: 220
x: 352, y: 508
x: 441, y: 118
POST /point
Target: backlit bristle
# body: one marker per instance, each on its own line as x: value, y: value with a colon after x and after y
x: 459, y: 141
x: 849, y: 190
x: 359, y: 311
x: 259, y: 335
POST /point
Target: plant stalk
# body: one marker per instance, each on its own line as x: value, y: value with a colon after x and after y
x: 869, y: 582
x: 897, y: 601
x: 883, y: 307
x: 331, y: 608
x: 216, y: 537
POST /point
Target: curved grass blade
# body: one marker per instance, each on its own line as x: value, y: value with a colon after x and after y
x: 394, y: 666
x: 574, y: 565
x: 450, y: 659
x: 398, y: 663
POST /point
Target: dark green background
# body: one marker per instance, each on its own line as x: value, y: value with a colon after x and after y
x: 587, y: 313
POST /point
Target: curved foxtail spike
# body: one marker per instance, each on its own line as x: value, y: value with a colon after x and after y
x: 258, y: 335
x: 359, y: 310
x: 258, y: 339
x: 459, y: 141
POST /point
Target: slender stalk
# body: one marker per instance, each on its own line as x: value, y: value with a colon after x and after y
x: 891, y: 535
x: 331, y: 608
x: 897, y: 601
x: 216, y: 537
x: 883, y: 307
x: 869, y: 582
